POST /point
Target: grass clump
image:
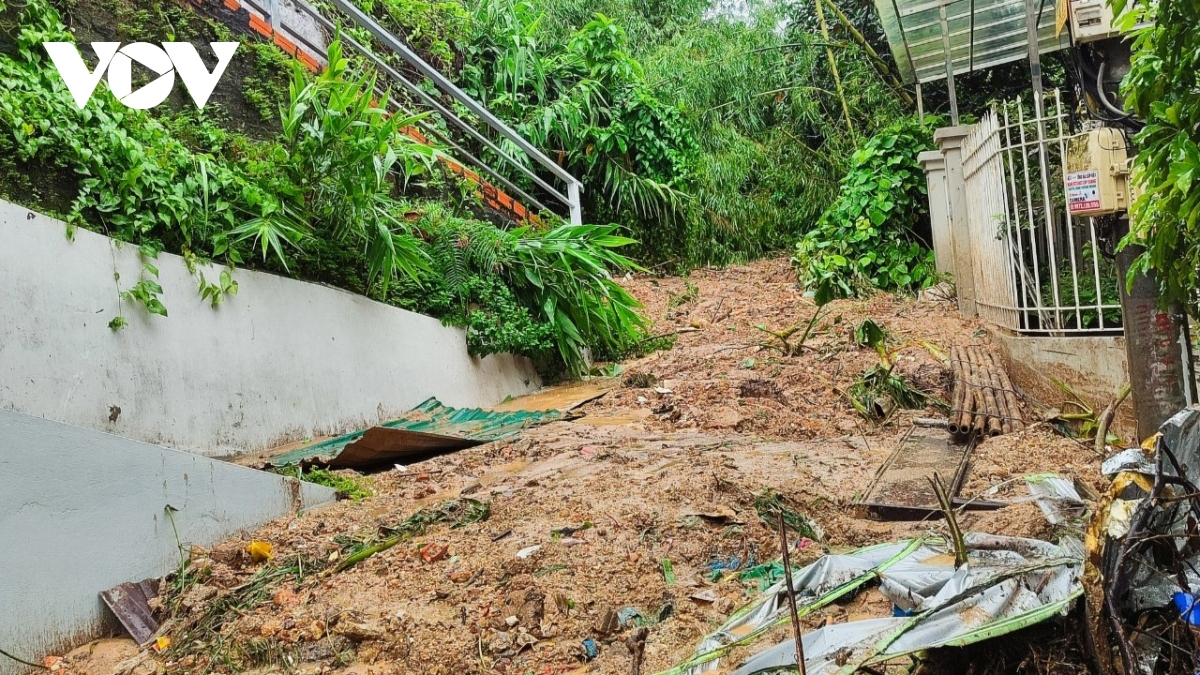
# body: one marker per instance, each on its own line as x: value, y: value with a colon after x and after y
x: 353, y: 487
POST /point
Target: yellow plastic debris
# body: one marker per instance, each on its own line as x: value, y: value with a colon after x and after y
x: 162, y: 643
x: 260, y: 550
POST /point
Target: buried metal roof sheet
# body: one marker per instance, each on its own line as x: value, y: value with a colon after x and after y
x: 982, y: 34
x: 428, y: 428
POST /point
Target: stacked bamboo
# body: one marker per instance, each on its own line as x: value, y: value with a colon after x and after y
x: 983, y: 401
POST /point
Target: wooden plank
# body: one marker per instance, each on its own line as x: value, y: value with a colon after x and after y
x: 901, y: 488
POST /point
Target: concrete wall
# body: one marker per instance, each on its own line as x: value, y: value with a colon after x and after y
x: 82, y: 511
x: 282, y: 361
x: 1093, y: 366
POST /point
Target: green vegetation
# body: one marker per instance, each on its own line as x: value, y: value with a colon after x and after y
x: 703, y: 135
x: 869, y: 237
x: 457, y: 512
x: 349, y: 485
x: 324, y: 199
x: 1161, y: 90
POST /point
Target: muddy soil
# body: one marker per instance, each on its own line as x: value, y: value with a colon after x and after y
x: 665, y: 467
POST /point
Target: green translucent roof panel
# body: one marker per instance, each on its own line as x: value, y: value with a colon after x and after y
x: 996, y: 34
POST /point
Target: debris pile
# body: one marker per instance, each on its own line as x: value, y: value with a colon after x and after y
x: 615, y: 542
x: 1143, y: 571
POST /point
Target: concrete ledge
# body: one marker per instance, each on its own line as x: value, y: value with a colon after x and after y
x: 1093, y: 366
x: 82, y: 511
x: 281, y: 361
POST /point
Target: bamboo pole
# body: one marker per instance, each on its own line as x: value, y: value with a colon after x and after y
x: 966, y: 412
x: 1010, y: 397
x: 879, y: 64
x: 791, y: 593
x: 1002, y: 396
x: 833, y: 66
x: 979, y: 421
x: 959, y: 391
x: 993, y: 424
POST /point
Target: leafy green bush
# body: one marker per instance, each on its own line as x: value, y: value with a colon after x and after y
x: 1161, y: 88
x: 325, y: 200
x: 871, y: 236
x: 343, y: 151
x: 589, y: 99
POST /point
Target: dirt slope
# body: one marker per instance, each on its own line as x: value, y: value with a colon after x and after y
x: 649, y: 474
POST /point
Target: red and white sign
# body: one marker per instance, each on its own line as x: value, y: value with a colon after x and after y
x: 1083, y: 191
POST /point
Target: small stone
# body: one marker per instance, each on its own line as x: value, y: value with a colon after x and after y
x: 500, y: 642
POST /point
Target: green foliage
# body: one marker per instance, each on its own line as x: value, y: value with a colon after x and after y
x: 428, y: 26
x: 1089, y: 267
x: 769, y: 504
x: 341, y: 150
x: 1161, y: 89
x: 869, y: 237
x: 587, y: 98
x: 879, y: 391
x: 457, y: 512
x: 323, y: 200
x: 138, y: 182
x: 262, y: 87
x: 348, y: 484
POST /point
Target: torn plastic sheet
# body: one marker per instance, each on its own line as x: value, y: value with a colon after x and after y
x: 1129, y: 459
x: 1056, y: 497
x: 1007, y: 584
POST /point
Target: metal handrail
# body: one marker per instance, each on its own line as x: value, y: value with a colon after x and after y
x: 574, y: 187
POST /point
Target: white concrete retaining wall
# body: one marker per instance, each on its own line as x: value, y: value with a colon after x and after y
x: 83, y: 511
x: 281, y: 361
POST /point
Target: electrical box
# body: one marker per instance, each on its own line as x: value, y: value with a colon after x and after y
x: 1098, y: 173
x: 1091, y: 20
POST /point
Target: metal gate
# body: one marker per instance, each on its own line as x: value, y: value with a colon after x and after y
x: 1036, y: 269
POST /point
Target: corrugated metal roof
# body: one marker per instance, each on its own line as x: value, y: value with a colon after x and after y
x: 429, y: 427
x: 983, y: 33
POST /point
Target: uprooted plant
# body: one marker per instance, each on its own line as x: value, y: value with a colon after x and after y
x: 457, y: 512
x: 880, y: 391
x: 789, y: 345
x: 769, y: 504
x: 204, y: 632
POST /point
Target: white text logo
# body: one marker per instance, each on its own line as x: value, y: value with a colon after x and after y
x: 118, y: 61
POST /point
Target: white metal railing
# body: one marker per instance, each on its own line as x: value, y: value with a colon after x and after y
x: 1036, y: 269
x: 517, y: 155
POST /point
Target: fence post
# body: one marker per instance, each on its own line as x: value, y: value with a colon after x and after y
x: 949, y: 141
x: 939, y: 210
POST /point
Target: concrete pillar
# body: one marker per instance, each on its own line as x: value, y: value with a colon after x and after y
x: 939, y: 210
x: 949, y: 141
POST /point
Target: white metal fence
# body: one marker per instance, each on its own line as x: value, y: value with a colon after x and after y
x: 1036, y: 269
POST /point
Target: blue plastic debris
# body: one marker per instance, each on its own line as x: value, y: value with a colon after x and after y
x: 626, y: 616
x: 590, y: 649
x: 1188, y: 606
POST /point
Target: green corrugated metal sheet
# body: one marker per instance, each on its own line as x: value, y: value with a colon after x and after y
x: 431, y: 426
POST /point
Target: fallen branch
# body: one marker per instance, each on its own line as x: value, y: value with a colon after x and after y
x: 1106, y: 418
x: 785, y: 335
x: 680, y: 331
